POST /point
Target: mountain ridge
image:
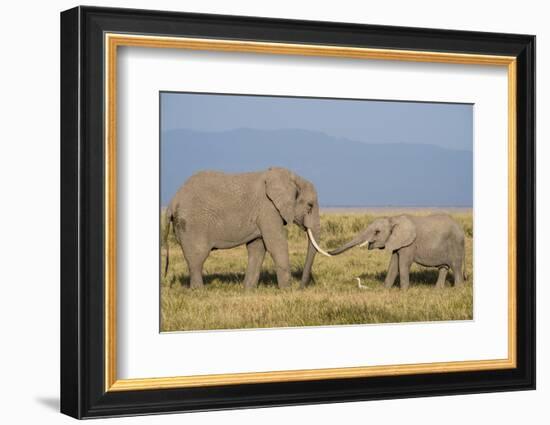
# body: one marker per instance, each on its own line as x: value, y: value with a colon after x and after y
x: 312, y: 132
x: 393, y: 174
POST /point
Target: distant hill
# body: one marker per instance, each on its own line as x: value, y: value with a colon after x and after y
x: 345, y: 172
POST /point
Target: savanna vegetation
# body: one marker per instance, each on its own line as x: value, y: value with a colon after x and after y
x: 333, y: 299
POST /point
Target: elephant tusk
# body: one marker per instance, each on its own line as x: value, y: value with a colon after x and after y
x: 364, y: 243
x: 317, y: 247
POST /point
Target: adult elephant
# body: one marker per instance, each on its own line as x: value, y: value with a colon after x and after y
x: 215, y: 210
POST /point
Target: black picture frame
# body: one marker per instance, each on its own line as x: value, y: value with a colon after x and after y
x: 83, y: 392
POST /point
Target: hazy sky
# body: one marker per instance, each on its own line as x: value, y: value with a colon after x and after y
x: 442, y: 124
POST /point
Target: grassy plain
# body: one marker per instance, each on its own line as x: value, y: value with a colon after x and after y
x: 334, y: 297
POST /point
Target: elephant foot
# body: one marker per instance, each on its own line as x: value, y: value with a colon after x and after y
x: 196, y: 285
x: 284, y: 286
x: 305, y: 284
x: 283, y: 278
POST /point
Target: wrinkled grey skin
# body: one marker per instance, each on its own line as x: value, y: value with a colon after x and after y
x: 433, y: 241
x: 214, y: 210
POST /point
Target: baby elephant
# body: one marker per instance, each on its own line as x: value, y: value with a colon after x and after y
x: 433, y: 241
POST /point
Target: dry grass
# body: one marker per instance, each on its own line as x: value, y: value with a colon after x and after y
x: 333, y: 299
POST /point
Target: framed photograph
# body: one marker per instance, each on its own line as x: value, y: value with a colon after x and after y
x: 261, y: 212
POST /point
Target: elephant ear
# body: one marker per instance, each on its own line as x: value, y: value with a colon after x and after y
x: 281, y: 190
x: 403, y: 233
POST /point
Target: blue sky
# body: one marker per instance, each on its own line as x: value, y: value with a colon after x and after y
x: 442, y: 124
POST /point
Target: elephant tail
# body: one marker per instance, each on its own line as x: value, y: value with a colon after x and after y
x: 167, y: 223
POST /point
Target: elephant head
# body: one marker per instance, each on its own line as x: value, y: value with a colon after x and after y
x: 391, y: 233
x: 296, y: 200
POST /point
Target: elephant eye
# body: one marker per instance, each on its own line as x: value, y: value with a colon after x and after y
x: 376, y: 232
x: 310, y: 206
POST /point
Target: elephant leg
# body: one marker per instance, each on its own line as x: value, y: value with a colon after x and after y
x: 277, y: 246
x: 195, y: 270
x: 441, y: 278
x: 195, y: 256
x: 393, y: 270
x: 256, y: 255
x: 404, y: 268
x: 457, y: 272
x: 282, y: 264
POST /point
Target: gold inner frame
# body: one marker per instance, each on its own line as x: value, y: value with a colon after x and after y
x: 113, y: 41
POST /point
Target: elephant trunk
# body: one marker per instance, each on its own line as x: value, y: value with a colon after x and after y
x: 360, y: 240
